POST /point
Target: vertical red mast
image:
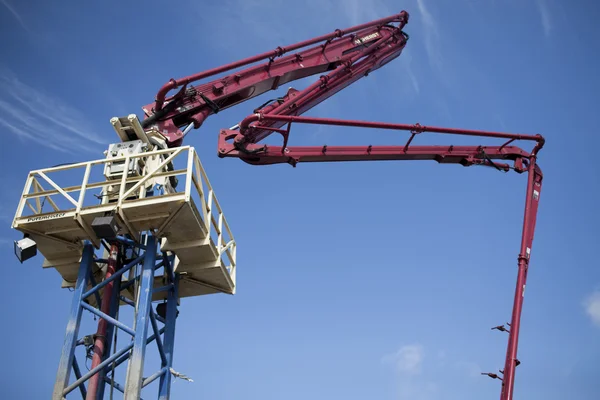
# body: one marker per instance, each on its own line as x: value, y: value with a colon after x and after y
x: 534, y: 187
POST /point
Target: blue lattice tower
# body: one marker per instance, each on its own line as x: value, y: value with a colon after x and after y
x: 159, y: 246
x: 146, y: 324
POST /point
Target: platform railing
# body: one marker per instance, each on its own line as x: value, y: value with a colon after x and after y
x: 45, y: 195
x: 36, y: 178
x: 225, y: 241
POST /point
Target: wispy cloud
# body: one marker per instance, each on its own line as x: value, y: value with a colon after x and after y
x: 265, y: 25
x: 15, y: 14
x: 431, y: 35
x: 406, y: 61
x: 361, y: 11
x: 408, y: 359
x: 46, y: 120
x: 408, y: 363
x: 545, y: 16
x: 357, y: 12
x: 591, y: 305
x: 413, y: 80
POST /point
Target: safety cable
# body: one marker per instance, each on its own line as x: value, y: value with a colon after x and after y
x: 280, y: 100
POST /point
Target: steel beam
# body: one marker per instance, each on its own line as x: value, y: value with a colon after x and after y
x: 100, y: 345
x: 70, y: 342
x: 164, y: 391
x: 110, y: 333
x: 534, y: 188
x: 145, y: 318
x: 133, y: 383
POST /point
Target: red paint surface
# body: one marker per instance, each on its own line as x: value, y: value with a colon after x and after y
x: 339, y: 55
x: 102, y: 324
x: 340, y: 62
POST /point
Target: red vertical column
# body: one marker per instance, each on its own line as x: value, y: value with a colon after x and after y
x: 102, y: 324
x: 534, y: 186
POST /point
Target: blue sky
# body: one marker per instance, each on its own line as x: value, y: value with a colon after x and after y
x: 355, y: 280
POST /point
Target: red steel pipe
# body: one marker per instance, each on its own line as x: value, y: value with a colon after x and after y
x: 402, y: 17
x: 102, y: 324
x: 465, y: 155
x: 245, y: 124
x: 355, y: 67
x: 534, y: 185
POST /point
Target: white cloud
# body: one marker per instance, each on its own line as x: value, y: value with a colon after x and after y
x: 406, y: 61
x: 431, y: 35
x: 15, y: 14
x: 545, y: 16
x: 592, y: 307
x: 407, y: 360
x: 361, y: 11
x: 411, y: 383
x: 34, y: 116
x: 252, y: 16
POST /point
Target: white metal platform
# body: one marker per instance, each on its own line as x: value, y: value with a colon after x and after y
x: 59, y: 204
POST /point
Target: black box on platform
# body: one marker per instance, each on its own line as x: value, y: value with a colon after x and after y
x: 105, y: 227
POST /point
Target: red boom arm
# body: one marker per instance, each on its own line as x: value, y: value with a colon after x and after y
x: 347, y: 55
x: 522, y: 161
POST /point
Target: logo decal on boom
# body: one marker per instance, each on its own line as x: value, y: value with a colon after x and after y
x: 367, y: 38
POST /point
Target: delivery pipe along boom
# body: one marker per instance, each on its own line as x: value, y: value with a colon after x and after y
x: 339, y: 58
x: 278, y: 52
x: 241, y: 143
x: 346, y: 57
x: 417, y: 128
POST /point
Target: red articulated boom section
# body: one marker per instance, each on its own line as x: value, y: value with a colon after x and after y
x: 344, y: 57
x: 348, y: 54
x: 464, y: 155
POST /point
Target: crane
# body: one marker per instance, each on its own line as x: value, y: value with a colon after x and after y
x: 340, y: 59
